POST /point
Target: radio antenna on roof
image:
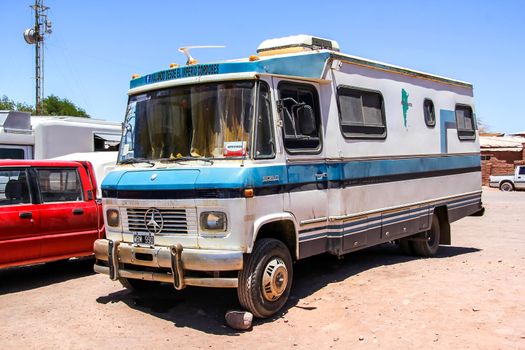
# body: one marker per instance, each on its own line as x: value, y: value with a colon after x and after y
x: 186, y: 51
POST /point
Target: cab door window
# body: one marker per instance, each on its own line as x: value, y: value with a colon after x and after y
x: 14, y: 187
x: 60, y: 185
x: 299, y: 108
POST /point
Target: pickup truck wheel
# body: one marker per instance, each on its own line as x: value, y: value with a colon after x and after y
x: 426, y: 244
x: 506, y: 187
x: 266, y: 278
x: 138, y: 285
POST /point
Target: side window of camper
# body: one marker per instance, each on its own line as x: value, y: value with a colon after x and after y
x: 264, y: 141
x: 465, y: 122
x: 361, y: 113
x: 299, y: 108
x: 430, y: 114
x: 11, y: 153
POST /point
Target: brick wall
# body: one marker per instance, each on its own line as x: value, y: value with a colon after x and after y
x: 500, y: 163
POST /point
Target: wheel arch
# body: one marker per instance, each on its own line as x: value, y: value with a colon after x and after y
x: 281, y: 226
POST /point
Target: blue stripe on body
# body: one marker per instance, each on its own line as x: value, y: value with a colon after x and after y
x: 393, y: 218
x: 447, y: 120
x: 205, y: 177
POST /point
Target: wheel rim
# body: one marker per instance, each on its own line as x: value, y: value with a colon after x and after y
x: 506, y: 187
x: 430, y: 235
x: 275, y: 279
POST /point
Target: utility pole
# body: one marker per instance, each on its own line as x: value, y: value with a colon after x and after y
x: 35, y: 36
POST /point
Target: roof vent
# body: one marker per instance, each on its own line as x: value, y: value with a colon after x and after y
x: 295, y: 43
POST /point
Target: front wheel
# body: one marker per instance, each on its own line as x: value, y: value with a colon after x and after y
x: 266, y: 278
x: 506, y: 187
x: 138, y: 285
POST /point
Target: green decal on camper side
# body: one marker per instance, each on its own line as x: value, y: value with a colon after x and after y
x: 406, y: 105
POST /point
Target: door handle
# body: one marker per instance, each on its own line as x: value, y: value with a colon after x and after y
x: 26, y: 215
x: 78, y: 211
x: 320, y: 176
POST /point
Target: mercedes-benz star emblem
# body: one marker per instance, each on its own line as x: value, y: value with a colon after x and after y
x: 153, y: 221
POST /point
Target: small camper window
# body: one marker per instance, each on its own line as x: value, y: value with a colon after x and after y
x: 299, y: 108
x: 465, y: 122
x: 430, y: 115
x: 361, y: 113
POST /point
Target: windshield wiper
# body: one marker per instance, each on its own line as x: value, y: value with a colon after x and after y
x: 136, y: 161
x: 182, y: 159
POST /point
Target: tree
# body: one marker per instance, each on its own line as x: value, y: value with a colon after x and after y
x: 6, y: 104
x: 54, y: 105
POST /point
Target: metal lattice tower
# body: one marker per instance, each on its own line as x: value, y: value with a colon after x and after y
x: 35, y: 36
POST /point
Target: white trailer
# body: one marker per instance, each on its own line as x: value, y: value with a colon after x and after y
x: 230, y: 171
x: 37, y: 137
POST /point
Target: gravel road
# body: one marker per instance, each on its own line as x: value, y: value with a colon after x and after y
x: 472, y: 295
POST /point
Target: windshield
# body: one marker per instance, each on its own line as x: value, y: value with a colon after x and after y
x: 199, y: 121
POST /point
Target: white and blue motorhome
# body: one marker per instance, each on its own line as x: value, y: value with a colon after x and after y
x: 230, y: 171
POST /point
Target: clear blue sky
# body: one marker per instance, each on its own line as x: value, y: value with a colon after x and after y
x: 97, y: 45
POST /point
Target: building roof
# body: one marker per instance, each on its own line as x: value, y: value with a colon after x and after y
x: 501, y: 143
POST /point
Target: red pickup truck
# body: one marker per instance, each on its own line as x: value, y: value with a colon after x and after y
x: 48, y: 211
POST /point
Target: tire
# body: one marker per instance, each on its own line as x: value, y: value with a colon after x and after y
x: 406, y: 246
x: 266, y: 278
x: 506, y: 186
x: 426, y: 244
x: 138, y: 285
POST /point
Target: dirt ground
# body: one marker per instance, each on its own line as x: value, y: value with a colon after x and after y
x: 471, y: 296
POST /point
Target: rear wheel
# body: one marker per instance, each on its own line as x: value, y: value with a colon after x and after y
x: 506, y: 187
x: 138, y: 285
x: 426, y: 244
x: 406, y: 246
x: 266, y: 278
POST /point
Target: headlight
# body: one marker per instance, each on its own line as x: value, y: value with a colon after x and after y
x: 213, y: 221
x: 112, y: 217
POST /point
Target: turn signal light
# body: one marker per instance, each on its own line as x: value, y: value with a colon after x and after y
x: 248, y: 192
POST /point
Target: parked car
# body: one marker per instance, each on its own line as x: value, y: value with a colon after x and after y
x: 48, y: 211
x: 509, y: 182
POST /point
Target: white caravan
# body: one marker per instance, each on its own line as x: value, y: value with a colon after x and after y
x: 26, y: 137
x: 229, y: 172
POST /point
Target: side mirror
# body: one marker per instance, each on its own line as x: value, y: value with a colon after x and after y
x: 306, y: 120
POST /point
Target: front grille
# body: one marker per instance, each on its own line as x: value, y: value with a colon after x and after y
x: 176, y: 221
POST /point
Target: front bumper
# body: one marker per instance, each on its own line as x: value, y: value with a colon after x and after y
x: 127, y: 260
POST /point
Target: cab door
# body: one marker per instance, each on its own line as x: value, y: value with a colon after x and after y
x: 306, y: 195
x: 19, y: 218
x: 69, y: 219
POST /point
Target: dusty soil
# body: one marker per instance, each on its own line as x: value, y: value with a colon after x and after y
x: 471, y: 296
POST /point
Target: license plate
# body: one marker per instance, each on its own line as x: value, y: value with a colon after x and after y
x: 144, y: 238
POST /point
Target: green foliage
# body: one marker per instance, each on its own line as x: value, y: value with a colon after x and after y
x: 52, y: 104
x: 7, y: 104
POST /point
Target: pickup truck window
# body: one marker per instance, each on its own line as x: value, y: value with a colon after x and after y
x: 14, y: 188
x: 59, y: 185
x: 522, y: 170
